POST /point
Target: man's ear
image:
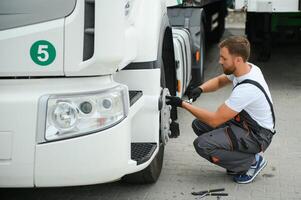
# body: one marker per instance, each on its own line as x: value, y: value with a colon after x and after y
x: 238, y: 59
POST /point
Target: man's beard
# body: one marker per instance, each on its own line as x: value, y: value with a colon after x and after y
x: 228, y: 71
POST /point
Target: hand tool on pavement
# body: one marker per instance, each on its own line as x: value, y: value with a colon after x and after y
x: 204, y: 193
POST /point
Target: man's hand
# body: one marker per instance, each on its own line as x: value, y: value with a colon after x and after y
x: 174, y: 101
x: 194, y: 93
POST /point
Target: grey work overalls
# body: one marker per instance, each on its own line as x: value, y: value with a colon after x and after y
x: 233, y: 145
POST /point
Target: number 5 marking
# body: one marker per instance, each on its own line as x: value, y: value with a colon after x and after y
x: 42, y: 53
x: 42, y: 50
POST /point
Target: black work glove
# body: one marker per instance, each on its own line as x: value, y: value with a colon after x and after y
x: 174, y: 101
x: 194, y: 93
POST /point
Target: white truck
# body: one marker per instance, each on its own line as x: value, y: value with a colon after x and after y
x: 269, y: 21
x: 83, y: 86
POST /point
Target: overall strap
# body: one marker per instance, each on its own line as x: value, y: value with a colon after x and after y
x: 264, y: 92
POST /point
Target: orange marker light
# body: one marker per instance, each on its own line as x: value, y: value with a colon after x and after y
x: 197, y: 55
x: 179, y: 86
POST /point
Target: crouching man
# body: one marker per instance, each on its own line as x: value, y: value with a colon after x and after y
x: 243, y: 126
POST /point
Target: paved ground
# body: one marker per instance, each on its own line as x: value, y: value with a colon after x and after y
x: 184, y: 171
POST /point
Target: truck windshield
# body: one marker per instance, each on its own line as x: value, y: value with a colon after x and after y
x: 16, y: 13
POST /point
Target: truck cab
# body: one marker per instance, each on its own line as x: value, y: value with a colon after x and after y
x: 83, y: 90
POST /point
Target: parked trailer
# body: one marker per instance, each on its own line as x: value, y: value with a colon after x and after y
x: 271, y: 21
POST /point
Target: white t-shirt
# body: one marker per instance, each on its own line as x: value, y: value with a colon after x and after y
x: 250, y: 98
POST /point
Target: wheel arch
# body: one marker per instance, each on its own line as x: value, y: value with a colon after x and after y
x: 168, y: 65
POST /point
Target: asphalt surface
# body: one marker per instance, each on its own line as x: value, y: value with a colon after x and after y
x: 184, y: 171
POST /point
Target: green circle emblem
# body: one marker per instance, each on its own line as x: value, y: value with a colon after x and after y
x: 42, y: 52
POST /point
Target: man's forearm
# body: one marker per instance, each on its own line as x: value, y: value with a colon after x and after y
x: 201, y: 114
x: 210, y: 85
x: 215, y: 83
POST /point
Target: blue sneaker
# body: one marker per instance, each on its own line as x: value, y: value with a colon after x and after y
x: 250, y: 175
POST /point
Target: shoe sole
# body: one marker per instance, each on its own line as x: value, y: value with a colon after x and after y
x: 232, y: 174
x: 259, y: 170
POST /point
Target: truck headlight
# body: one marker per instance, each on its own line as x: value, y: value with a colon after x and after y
x: 79, y: 114
x: 64, y: 116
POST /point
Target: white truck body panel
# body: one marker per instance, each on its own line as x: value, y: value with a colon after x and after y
x: 120, y: 40
x: 136, y: 80
x: 147, y: 21
x: 18, y: 119
x: 113, y: 50
x: 268, y: 5
x: 106, y: 56
x: 19, y: 103
x: 15, y: 45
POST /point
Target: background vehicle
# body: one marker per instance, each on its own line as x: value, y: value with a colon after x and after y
x: 205, y: 21
x: 83, y: 87
x: 271, y: 21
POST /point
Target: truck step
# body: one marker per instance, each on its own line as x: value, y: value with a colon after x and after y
x: 142, y: 152
x: 134, y: 96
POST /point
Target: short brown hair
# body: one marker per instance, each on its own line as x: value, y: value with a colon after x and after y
x: 238, y: 46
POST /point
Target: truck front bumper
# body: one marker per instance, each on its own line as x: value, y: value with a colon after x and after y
x: 97, y: 157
